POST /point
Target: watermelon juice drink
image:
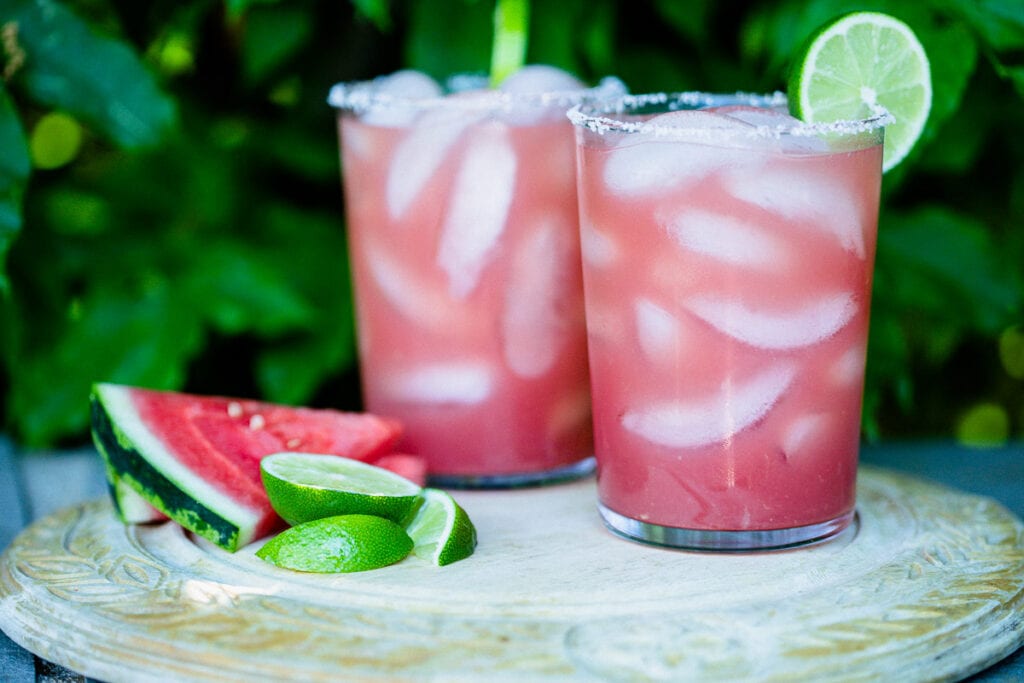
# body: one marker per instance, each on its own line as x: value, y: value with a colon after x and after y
x: 464, y: 245
x: 728, y: 253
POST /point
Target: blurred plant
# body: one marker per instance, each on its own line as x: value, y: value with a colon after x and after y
x: 179, y: 221
x: 170, y: 210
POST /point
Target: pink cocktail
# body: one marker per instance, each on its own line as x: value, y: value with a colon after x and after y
x: 728, y: 253
x: 463, y: 238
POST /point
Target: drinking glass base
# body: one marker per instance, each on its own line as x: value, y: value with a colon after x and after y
x: 732, y: 540
x: 558, y: 475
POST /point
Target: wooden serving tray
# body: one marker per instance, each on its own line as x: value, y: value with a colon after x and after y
x: 929, y: 585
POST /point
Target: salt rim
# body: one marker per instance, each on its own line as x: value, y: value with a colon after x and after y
x: 598, y: 117
x: 360, y: 97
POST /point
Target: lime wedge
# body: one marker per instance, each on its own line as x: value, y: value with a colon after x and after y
x: 857, y: 65
x: 441, y: 530
x: 346, y: 543
x: 307, y: 486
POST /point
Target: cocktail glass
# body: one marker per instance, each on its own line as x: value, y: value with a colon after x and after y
x: 464, y: 245
x: 728, y: 252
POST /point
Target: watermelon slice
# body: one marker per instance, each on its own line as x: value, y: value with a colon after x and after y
x: 132, y: 506
x: 196, y: 459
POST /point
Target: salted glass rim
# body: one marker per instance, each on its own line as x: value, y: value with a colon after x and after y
x: 360, y: 97
x: 605, y: 116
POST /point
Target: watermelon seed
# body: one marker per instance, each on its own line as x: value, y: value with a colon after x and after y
x: 293, y: 443
x: 256, y: 422
x: 235, y: 409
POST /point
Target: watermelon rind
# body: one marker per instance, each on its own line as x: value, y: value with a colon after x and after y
x: 130, y: 504
x: 133, y: 506
x: 140, y: 460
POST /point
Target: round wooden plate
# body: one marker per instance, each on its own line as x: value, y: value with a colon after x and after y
x: 929, y: 585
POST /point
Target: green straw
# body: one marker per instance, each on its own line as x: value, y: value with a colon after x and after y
x: 511, y: 31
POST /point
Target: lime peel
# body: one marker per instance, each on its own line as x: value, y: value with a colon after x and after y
x: 441, y: 530
x: 332, y: 501
x: 344, y: 543
x: 860, y: 65
x: 307, y: 486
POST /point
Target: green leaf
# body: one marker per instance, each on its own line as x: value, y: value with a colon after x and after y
x: 953, y: 55
x: 462, y: 27
x: 97, y: 79
x: 236, y: 8
x: 1015, y: 74
x: 944, y: 267
x: 290, y: 370
x: 597, y: 31
x: 312, y: 157
x: 240, y: 289
x: 376, y: 11
x: 55, y: 141
x: 888, y: 361
x: 272, y: 36
x: 15, y: 167
x: 12, y: 330
x: 690, y: 19
x: 963, y: 137
x: 774, y: 34
x: 588, y: 50
x: 143, y: 336
x: 1000, y: 23
x: 70, y: 211
x: 646, y: 69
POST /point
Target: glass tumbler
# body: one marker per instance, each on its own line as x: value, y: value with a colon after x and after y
x: 464, y: 248
x: 727, y: 255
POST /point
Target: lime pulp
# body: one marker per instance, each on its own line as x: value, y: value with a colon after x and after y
x: 858, y: 66
x: 441, y: 530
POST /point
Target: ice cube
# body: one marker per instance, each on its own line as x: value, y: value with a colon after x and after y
x: 409, y: 295
x: 849, y: 367
x: 777, y: 127
x: 809, y: 324
x: 658, y: 331
x: 420, y: 154
x: 757, y: 116
x: 597, y: 248
x: 734, y: 408
x: 522, y: 107
x: 456, y: 382
x: 801, y: 432
x: 540, y: 78
x: 478, y: 206
x: 648, y: 163
x: 533, y: 323
x: 404, y: 87
x: 357, y: 141
x: 816, y: 201
x: 725, y: 238
x: 408, y: 84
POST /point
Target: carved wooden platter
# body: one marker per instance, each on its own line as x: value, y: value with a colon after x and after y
x: 929, y: 585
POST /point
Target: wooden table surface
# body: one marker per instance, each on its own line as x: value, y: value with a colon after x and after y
x: 35, y: 485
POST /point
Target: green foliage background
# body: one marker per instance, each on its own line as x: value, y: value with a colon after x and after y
x: 171, y: 214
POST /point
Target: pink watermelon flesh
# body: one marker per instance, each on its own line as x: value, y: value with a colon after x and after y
x: 223, y: 440
x: 219, y: 442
